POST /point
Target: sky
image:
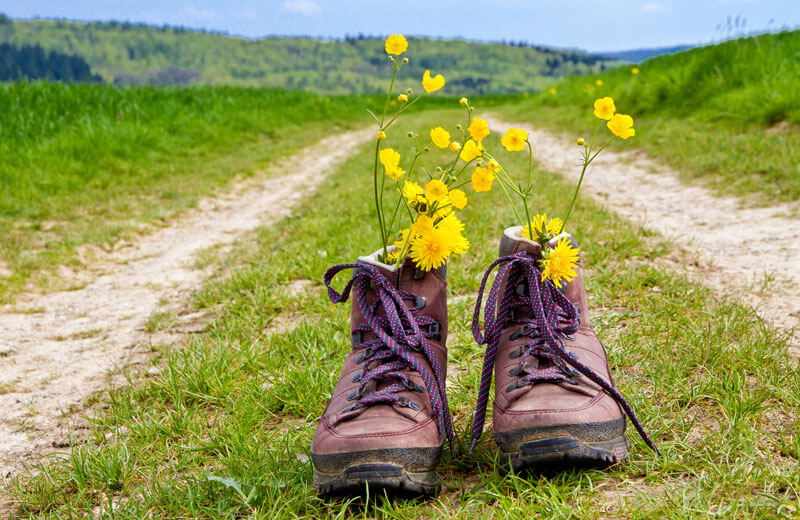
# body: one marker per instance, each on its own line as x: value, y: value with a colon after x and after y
x: 593, y: 25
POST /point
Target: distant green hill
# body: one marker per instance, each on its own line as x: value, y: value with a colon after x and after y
x: 141, y: 54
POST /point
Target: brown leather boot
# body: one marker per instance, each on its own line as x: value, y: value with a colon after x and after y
x: 388, y: 417
x: 555, y: 401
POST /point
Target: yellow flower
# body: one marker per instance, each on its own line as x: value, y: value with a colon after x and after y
x: 389, y: 158
x: 482, y: 179
x: 430, y: 250
x: 478, y: 129
x: 555, y: 225
x: 635, y: 70
x: 436, y: 190
x: 411, y: 191
x: 432, y: 84
x: 599, y: 82
x: 395, y: 173
x: 396, y: 44
x: 514, y: 139
x: 580, y: 141
x: 471, y: 151
x: 403, y: 235
x: 381, y: 135
x: 422, y: 226
x: 621, y: 126
x: 463, y: 102
x: 440, y: 137
x: 604, y: 108
x: 455, y: 146
x: 552, y: 90
x: 458, y: 198
x: 540, y: 225
x: 402, y: 98
x: 453, y: 227
x: 493, y: 166
x: 560, y: 263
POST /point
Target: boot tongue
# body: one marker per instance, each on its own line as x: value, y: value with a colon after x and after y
x: 512, y: 242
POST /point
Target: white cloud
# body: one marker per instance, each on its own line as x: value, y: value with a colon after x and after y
x: 303, y: 7
x: 652, y: 7
x: 199, y: 13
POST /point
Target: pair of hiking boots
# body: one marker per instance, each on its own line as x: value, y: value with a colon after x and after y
x: 555, y: 402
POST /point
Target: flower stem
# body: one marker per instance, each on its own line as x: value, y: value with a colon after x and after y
x: 378, y: 208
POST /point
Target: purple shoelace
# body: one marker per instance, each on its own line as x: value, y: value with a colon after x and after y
x: 398, y: 333
x: 550, y: 317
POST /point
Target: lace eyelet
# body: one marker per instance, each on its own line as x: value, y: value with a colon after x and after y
x: 357, y: 378
x: 516, y: 352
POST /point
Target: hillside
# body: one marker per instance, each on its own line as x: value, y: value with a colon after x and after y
x: 727, y: 113
x: 140, y: 54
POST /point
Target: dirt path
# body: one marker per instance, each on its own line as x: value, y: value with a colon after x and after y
x: 752, y: 253
x: 57, y: 349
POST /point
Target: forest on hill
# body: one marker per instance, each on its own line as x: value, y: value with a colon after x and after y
x: 124, y: 53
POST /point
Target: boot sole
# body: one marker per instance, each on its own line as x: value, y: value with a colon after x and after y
x: 556, y: 448
x: 401, y: 471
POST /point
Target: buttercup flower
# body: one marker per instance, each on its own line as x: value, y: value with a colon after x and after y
x: 552, y: 90
x: 381, y: 135
x: 599, y: 82
x: 560, y: 263
x: 395, y: 173
x: 411, y: 191
x: 458, y: 198
x: 430, y: 250
x: 514, y: 139
x: 402, y: 98
x: 635, y: 70
x: 396, y: 44
x: 440, y: 137
x: 422, y: 226
x: 482, y: 179
x: 389, y: 158
x: 432, y: 84
x: 604, y: 108
x: 471, y: 150
x: 455, y: 146
x: 621, y: 126
x: 463, y: 102
x: 493, y: 166
x: 478, y: 129
x: 436, y: 190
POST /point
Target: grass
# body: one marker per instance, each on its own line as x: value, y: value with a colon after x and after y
x: 224, y: 430
x: 85, y: 164
x: 726, y: 115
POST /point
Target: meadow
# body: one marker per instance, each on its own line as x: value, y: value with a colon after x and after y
x: 223, y: 431
x: 86, y: 164
x: 726, y: 115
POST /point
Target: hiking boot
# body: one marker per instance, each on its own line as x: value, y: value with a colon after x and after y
x: 387, y: 419
x: 555, y: 403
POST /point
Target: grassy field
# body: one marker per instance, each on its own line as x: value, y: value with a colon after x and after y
x: 224, y: 430
x: 727, y: 114
x: 83, y: 164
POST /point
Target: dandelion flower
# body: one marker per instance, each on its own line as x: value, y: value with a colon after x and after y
x: 453, y: 227
x: 389, y: 158
x: 458, y: 198
x: 422, y: 226
x: 436, y: 190
x: 411, y: 191
x: 429, y: 251
x: 396, y: 44
x: 471, y: 151
x: 478, y: 129
x: 621, y: 126
x: 432, y: 84
x: 604, y: 108
x: 514, y: 139
x: 455, y: 146
x: 482, y: 179
x: 555, y: 225
x: 440, y: 137
x: 560, y: 263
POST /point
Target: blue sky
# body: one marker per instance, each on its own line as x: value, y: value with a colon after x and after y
x: 589, y: 24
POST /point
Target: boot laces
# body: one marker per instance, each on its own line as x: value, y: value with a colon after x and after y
x: 398, y: 333
x: 544, y: 314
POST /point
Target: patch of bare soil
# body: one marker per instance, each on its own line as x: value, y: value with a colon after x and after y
x: 58, y: 349
x: 750, y: 253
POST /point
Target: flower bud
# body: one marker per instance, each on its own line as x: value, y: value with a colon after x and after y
x: 438, y: 169
x: 409, y: 91
x: 381, y: 135
x: 411, y: 135
x: 463, y: 102
x: 391, y: 58
x: 581, y: 142
x: 427, y: 148
x: 402, y: 98
x: 455, y: 146
x: 459, y: 127
x: 405, y: 60
x: 471, y: 109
